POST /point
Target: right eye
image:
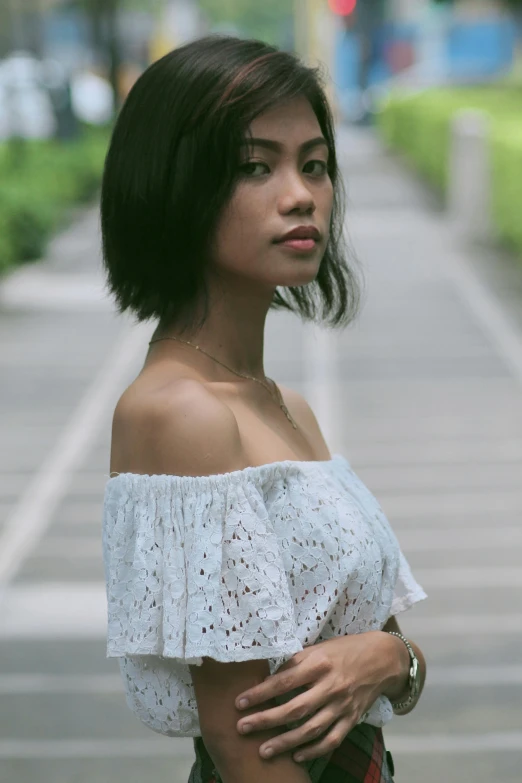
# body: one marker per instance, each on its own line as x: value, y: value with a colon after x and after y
x: 249, y: 168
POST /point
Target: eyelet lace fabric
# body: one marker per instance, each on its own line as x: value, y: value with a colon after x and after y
x: 253, y: 564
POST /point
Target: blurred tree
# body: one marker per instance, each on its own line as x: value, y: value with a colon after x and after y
x: 516, y: 7
x: 103, y: 16
x: 268, y: 20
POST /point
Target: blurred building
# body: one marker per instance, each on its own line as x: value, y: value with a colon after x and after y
x: 422, y: 41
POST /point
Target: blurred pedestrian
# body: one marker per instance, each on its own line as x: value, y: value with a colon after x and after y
x: 67, y: 125
x: 236, y: 546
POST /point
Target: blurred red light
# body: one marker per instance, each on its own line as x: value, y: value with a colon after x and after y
x: 342, y: 7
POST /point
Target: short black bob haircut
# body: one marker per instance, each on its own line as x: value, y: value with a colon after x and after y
x: 172, y: 166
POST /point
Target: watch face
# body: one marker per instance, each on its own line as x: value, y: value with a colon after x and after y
x: 415, y: 676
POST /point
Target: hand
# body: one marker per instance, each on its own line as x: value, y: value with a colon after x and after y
x: 343, y: 676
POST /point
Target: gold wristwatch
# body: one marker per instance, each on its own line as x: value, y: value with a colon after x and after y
x: 414, y: 678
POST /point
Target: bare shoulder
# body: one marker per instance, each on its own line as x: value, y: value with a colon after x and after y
x: 293, y: 399
x: 179, y: 428
x: 304, y: 415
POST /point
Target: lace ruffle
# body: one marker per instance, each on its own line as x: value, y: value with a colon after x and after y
x: 256, y: 563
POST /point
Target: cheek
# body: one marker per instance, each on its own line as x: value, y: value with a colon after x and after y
x: 327, y: 204
x: 328, y: 195
x: 239, y: 236
x: 242, y: 218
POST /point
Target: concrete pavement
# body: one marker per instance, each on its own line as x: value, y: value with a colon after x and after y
x: 430, y: 384
x: 422, y: 394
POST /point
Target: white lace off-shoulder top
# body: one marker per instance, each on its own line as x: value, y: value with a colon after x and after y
x: 255, y: 563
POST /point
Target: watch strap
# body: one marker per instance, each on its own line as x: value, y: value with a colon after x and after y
x: 400, y: 705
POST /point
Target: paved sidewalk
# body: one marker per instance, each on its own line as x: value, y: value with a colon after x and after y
x: 422, y: 394
x: 429, y: 389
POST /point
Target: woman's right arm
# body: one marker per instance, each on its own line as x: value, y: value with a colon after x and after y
x: 186, y: 431
x: 236, y: 756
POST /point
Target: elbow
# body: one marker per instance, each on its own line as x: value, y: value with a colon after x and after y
x: 224, y: 748
x: 233, y: 752
x: 213, y: 740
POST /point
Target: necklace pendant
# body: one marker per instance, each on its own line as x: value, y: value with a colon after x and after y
x: 287, y: 414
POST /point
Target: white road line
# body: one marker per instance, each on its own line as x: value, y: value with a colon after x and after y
x: 461, y: 676
x: 106, y: 748
x: 414, y: 745
x: 60, y: 683
x: 450, y: 578
x: 439, y: 676
x: 487, y: 309
x: 72, y: 610
x: 31, y: 515
x: 181, y: 748
x: 469, y: 538
x: 71, y: 547
x: 37, y: 289
x: 467, y: 504
x: 465, y: 625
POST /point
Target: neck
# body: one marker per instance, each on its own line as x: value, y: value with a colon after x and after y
x: 233, y: 331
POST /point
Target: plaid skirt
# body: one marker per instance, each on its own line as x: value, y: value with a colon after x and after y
x: 361, y: 758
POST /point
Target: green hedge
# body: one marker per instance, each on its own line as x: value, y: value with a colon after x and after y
x: 39, y: 182
x: 419, y: 126
x: 506, y: 147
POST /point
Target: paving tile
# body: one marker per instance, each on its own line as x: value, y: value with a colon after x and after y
x: 173, y: 769
x: 64, y: 569
x: 56, y: 656
x: 475, y: 766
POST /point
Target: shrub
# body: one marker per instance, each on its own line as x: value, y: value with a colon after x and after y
x: 506, y: 197
x: 39, y: 182
x: 419, y: 126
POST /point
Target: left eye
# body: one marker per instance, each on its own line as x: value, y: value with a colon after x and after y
x: 249, y: 168
x: 323, y: 168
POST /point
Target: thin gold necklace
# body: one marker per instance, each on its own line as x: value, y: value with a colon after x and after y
x: 278, y: 399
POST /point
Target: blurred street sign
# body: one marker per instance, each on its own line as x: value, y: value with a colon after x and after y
x: 342, y: 7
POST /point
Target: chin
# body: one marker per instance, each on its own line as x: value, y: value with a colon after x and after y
x: 302, y: 271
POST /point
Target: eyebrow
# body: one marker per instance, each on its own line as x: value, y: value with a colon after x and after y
x: 277, y: 147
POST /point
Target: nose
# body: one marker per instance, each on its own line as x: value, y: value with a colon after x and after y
x: 295, y: 195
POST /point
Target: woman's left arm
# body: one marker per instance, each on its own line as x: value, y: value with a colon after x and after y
x: 343, y: 677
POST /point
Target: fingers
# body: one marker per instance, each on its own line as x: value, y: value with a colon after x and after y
x: 294, y: 710
x: 304, y: 670
x: 309, y: 731
x: 326, y: 744
x: 271, y: 687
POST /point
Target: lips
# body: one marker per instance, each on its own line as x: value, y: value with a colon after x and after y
x: 301, y: 232
x: 303, y: 245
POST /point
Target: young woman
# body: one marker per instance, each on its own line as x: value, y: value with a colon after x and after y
x: 236, y: 546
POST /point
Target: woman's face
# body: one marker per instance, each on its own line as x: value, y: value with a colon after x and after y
x: 283, y: 184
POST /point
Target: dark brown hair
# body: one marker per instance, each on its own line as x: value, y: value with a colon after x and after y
x: 173, y: 164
